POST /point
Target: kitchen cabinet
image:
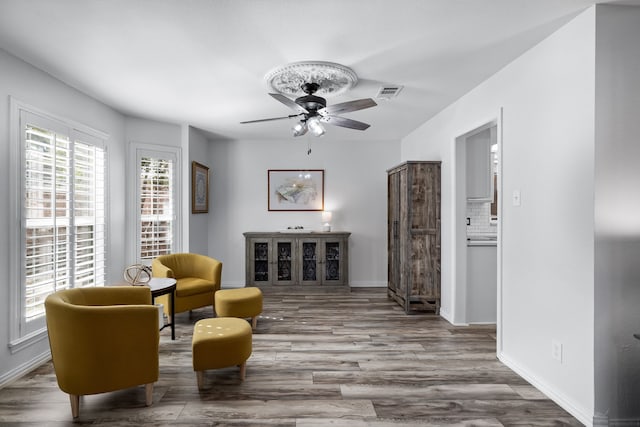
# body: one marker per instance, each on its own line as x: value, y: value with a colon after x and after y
x: 479, y: 161
x: 482, y: 279
x: 309, y: 258
x: 413, y: 211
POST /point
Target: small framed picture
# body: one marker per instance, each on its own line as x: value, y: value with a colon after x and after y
x: 199, y: 188
x: 296, y: 189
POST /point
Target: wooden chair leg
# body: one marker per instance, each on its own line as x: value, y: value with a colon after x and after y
x: 243, y: 370
x: 254, y: 322
x: 200, y: 376
x: 75, y: 405
x: 148, y: 391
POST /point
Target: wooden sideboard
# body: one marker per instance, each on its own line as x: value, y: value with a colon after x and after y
x: 297, y: 258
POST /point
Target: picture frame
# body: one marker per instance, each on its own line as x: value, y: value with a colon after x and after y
x: 295, y: 189
x: 199, y: 188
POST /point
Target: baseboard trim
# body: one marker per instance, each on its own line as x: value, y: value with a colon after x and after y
x: 561, y: 400
x: 366, y: 284
x: 24, y: 369
x: 604, y: 421
x: 446, y: 315
x: 232, y: 286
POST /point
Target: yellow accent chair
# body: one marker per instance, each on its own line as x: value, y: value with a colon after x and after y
x: 197, y: 277
x: 103, y: 339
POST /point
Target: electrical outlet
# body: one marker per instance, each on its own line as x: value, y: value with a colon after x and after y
x: 556, y: 350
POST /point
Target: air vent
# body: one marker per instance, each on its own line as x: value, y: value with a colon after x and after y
x: 388, y: 92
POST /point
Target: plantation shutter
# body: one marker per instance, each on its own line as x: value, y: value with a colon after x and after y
x: 157, y: 200
x: 63, y: 212
x: 89, y: 215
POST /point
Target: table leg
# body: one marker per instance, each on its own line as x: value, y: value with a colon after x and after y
x: 172, y: 302
x: 153, y: 303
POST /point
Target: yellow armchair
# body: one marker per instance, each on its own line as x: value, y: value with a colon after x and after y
x: 197, y: 277
x: 103, y: 339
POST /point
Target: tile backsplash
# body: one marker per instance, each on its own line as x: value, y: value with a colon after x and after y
x: 479, y: 214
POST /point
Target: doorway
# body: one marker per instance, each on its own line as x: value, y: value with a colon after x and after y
x: 477, y: 228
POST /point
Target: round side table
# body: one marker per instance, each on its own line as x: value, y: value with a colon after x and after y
x: 162, y: 286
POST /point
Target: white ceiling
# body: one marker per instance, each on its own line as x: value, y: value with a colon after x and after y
x: 203, y: 62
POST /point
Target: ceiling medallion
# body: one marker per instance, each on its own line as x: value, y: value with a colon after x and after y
x: 334, y: 79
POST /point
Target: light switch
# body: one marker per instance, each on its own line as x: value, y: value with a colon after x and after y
x: 516, y: 198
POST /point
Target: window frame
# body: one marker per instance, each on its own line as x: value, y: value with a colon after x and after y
x: 136, y: 151
x: 20, y: 335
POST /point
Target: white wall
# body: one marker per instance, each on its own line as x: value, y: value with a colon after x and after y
x: 198, y: 223
x: 33, y: 87
x: 152, y: 132
x: 617, y: 214
x: 547, y: 96
x: 355, y: 191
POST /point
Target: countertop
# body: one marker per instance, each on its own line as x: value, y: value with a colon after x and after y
x: 482, y: 241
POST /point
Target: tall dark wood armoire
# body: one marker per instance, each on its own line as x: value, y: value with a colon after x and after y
x: 414, y: 235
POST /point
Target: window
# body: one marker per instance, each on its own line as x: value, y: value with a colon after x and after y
x: 155, y: 204
x: 156, y: 207
x: 61, y: 206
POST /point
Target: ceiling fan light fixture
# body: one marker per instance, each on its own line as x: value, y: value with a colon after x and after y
x: 299, y: 129
x: 306, y: 81
x: 315, y: 127
x: 332, y: 79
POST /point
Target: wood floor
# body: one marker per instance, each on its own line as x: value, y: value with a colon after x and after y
x: 320, y: 358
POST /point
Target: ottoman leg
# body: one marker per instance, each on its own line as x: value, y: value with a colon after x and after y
x: 243, y: 370
x: 200, y: 377
x: 254, y: 322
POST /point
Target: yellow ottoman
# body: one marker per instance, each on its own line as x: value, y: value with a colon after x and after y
x: 220, y: 343
x: 241, y: 302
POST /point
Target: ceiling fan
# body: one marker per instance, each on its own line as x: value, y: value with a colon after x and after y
x: 312, y: 110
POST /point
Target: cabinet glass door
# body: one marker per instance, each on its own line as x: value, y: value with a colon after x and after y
x: 261, y: 261
x: 284, y: 261
x: 310, y: 258
x: 332, y: 266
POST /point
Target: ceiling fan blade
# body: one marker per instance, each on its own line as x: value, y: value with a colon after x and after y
x: 289, y: 102
x: 271, y: 119
x: 345, y: 123
x: 345, y: 107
